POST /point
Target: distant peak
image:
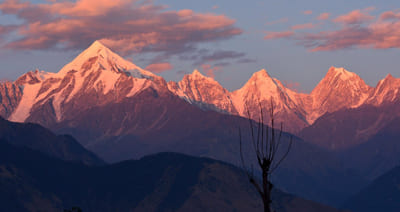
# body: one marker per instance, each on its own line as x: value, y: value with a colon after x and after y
x: 340, y: 72
x: 387, y: 80
x: 197, y: 73
x: 261, y: 74
x: 389, y: 76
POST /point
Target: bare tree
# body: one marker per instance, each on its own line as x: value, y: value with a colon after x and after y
x: 265, y: 141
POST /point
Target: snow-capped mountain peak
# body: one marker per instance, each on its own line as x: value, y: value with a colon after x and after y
x: 98, y: 56
x: 260, y: 75
x: 196, y: 73
x: 387, y: 90
x: 96, y: 76
x: 261, y: 85
x: 203, y: 91
x: 338, y: 89
x: 341, y: 72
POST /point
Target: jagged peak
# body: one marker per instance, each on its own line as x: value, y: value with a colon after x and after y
x: 97, y: 44
x: 106, y: 59
x: 197, y: 73
x: 261, y: 74
x: 389, y: 77
x: 387, y: 81
x: 99, y: 49
x: 260, y: 77
x: 33, y: 77
x: 340, y: 72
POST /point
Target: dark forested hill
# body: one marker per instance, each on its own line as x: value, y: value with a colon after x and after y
x: 32, y: 181
x: 39, y: 138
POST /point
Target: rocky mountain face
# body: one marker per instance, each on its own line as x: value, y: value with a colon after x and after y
x: 261, y: 90
x: 10, y: 96
x: 337, y: 90
x: 204, y: 92
x: 386, y: 92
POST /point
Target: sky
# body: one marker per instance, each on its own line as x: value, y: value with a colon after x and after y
x: 295, y: 41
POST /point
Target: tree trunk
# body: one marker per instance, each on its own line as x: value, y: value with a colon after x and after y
x: 267, y: 192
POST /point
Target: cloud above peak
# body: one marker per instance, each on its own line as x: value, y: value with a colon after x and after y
x: 128, y: 26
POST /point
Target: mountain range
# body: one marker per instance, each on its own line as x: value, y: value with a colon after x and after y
x: 98, y: 77
x: 120, y: 111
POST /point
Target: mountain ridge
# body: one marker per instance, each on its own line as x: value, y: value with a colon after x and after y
x: 99, y: 76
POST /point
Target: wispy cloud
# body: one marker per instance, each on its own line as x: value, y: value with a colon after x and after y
x: 159, y: 67
x: 125, y: 25
x: 388, y: 15
x: 303, y: 26
x: 205, y: 56
x: 356, y: 29
x: 355, y: 17
x: 308, y: 12
x: 211, y: 70
x: 323, y: 16
x: 278, y: 35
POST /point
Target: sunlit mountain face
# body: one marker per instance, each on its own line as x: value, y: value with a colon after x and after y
x: 98, y: 77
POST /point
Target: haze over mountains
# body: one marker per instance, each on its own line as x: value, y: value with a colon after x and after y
x: 121, y: 111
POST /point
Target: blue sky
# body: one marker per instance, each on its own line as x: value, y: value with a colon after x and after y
x: 239, y: 51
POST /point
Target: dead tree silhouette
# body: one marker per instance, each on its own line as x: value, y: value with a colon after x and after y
x: 265, y: 141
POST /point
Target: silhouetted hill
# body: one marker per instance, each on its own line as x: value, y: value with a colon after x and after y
x: 383, y: 194
x: 39, y: 138
x: 32, y: 181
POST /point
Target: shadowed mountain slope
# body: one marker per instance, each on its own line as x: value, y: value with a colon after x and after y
x: 162, y: 182
x: 39, y: 138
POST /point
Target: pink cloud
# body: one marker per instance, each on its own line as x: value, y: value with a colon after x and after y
x: 294, y: 86
x: 210, y: 70
x: 278, y: 35
x: 357, y: 29
x: 303, y: 26
x: 159, y: 67
x: 12, y: 6
x: 389, y: 15
x: 379, y: 35
x: 125, y: 25
x: 323, y: 16
x: 307, y: 12
x: 355, y: 17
